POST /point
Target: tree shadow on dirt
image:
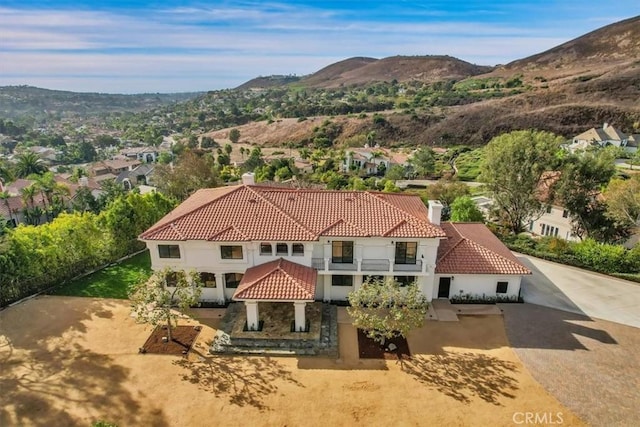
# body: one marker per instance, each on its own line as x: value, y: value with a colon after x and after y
x: 465, y: 375
x: 245, y: 381
x: 45, y: 375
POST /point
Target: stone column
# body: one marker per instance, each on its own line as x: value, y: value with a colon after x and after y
x: 253, y: 321
x: 299, y: 316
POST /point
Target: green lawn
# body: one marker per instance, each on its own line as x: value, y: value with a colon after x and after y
x: 111, y: 282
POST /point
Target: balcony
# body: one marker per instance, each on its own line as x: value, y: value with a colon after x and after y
x: 375, y: 265
x: 366, y: 265
x: 408, y: 267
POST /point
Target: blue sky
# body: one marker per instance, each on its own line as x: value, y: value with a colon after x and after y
x: 175, y: 46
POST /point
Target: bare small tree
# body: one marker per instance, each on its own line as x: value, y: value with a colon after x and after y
x: 384, y: 310
x: 165, y: 296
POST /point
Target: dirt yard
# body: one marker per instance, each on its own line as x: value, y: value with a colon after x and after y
x: 72, y: 361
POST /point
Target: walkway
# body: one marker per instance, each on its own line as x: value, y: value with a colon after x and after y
x: 579, y: 291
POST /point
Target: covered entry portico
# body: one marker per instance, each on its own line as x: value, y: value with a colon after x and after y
x: 278, y: 281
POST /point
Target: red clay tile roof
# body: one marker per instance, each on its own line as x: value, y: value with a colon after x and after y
x: 246, y: 213
x: 471, y: 248
x: 278, y: 280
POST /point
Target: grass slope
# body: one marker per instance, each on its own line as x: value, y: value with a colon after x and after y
x: 111, y: 282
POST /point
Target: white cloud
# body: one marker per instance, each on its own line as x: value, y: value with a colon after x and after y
x: 202, y: 48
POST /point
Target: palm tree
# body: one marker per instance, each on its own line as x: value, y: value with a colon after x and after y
x: 28, y: 195
x: 4, y: 195
x: 5, y: 172
x: 29, y: 163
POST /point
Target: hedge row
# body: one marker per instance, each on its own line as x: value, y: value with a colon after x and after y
x: 34, y: 258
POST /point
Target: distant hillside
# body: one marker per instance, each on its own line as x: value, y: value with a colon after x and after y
x: 16, y: 101
x: 268, y: 81
x: 334, y: 71
x: 616, y: 42
x: 400, y: 68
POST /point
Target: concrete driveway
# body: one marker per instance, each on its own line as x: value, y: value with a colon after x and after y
x: 580, y: 291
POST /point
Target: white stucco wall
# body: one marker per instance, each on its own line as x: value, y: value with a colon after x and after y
x: 206, y: 257
x: 554, y: 219
x: 478, y: 284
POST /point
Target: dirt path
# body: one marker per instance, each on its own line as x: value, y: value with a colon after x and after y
x: 72, y: 361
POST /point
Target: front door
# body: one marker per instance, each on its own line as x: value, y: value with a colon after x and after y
x: 444, y: 287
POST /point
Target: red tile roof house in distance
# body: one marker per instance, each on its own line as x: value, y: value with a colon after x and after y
x: 333, y: 239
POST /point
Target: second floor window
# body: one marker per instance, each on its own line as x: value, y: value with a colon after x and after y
x: 169, y: 251
x: 266, y: 249
x: 342, y: 252
x: 406, y: 252
x: 282, y: 249
x: 297, y: 249
x: 231, y: 252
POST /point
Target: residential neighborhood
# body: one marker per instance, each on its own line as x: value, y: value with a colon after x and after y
x: 319, y: 214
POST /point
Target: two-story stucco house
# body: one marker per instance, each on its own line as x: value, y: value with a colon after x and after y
x: 255, y: 243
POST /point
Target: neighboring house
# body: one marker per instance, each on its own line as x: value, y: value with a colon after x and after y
x: 141, y: 175
x: 13, y: 207
x: 252, y: 243
x: 110, y: 169
x: 144, y: 154
x: 371, y: 160
x: 608, y: 135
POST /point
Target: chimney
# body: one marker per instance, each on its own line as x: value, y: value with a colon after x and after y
x: 435, y: 212
x: 605, y: 125
x: 248, y: 179
x: 83, y: 181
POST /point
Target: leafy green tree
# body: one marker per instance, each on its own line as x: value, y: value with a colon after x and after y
x: 189, y: 173
x: 512, y: 170
x: 447, y: 191
x: 164, y: 298
x: 165, y: 158
x: 104, y: 141
x: 623, y: 200
x: 423, y: 161
x: 29, y: 163
x: 395, y: 173
x: 234, y: 135
x: 383, y: 309
x: 84, y: 201
x: 584, y: 176
x: 463, y: 209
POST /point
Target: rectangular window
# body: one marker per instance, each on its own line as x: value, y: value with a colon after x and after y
x: 232, y: 280
x: 297, y: 249
x: 231, y: 252
x: 208, y: 280
x: 555, y: 233
x: 405, y: 280
x: 169, y: 251
x: 282, y: 249
x: 266, y: 249
x: 501, y: 287
x: 341, y: 280
x: 548, y: 209
x: 565, y: 213
x: 544, y: 228
x: 342, y: 252
x: 406, y: 252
